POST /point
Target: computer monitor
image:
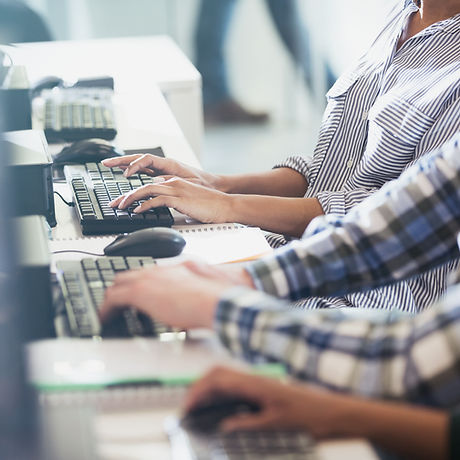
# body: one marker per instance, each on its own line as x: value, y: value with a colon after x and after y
x: 18, y: 415
x: 14, y: 94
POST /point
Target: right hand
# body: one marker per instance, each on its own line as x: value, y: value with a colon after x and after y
x: 199, y: 202
x: 235, y: 274
x: 165, y: 168
x: 173, y: 294
x: 282, y: 406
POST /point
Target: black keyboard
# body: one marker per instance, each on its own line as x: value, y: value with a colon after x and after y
x: 82, y: 286
x: 72, y: 114
x: 248, y: 445
x: 94, y: 186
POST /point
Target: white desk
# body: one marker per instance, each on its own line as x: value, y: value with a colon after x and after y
x: 130, y: 430
x: 132, y: 427
x: 138, y: 64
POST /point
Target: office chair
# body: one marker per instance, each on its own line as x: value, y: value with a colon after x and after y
x: 19, y: 23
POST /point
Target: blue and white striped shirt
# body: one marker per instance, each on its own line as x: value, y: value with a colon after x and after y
x: 383, y: 114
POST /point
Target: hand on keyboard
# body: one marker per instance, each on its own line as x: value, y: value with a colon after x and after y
x: 199, y: 202
x: 82, y: 286
x: 95, y: 185
x: 163, y: 167
x: 280, y: 406
x: 154, y: 291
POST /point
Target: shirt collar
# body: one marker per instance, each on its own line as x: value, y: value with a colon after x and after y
x: 408, y: 3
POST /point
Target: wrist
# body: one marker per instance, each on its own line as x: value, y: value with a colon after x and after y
x: 246, y: 279
x: 337, y: 412
x: 222, y: 183
x: 210, y: 303
x: 230, y: 208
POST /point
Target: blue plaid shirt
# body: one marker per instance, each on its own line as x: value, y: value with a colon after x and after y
x: 407, y: 227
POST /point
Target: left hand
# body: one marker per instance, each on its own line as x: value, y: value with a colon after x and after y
x: 174, y: 295
x: 199, y: 202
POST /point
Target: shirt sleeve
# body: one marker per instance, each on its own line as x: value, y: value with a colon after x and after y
x: 297, y: 163
x: 414, y: 359
x: 408, y: 227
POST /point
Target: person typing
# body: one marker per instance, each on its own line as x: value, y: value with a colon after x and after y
x: 389, y: 110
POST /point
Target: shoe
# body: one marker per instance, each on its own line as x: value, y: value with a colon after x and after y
x: 229, y: 111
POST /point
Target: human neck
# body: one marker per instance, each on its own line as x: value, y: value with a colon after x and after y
x: 432, y: 11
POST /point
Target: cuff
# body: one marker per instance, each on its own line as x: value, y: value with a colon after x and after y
x: 269, y: 277
x: 332, y: 202
x: 236, y: 318
x: 297, y: 163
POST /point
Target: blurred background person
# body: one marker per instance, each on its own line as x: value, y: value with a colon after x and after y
x: 214, y: 19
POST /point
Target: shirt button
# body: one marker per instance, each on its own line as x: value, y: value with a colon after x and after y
x: 349, y: 163
x: 365, y: 114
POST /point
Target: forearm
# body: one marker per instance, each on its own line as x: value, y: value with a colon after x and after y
x: 406, y: 228
x: 412, y: 432
x: 278, y: 182
x: 289, y: 216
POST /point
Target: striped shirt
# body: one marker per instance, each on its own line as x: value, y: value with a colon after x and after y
x: 405, y: 228
x: 383, y: 114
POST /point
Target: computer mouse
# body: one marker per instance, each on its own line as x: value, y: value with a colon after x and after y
x: 86, y: 151
x: 48, y: 82
x: 207, y: 417
x: 154, y: 242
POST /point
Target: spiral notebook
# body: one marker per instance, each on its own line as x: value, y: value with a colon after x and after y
x: 211, y: 243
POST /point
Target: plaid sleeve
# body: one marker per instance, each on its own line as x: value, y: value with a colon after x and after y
x: 406, y: 228
x: 414, y: 359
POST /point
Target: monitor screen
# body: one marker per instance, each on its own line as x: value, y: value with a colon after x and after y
x: 17, y: 404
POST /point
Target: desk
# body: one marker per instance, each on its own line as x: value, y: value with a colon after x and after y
x: 129, y: 430
x: 138, y: 64
x: 132, y: 428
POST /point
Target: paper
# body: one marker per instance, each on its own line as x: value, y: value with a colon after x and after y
x: 237, y: 244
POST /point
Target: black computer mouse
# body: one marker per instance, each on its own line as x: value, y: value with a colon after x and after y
x: 207, y: 417
x: 86, y: 151
x: 48, y: 82
x: 154, y: 242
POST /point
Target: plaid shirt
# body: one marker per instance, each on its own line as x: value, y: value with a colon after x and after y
x: 407, y: 227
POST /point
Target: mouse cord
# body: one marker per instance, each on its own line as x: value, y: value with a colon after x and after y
x: 80, y: 252
x: 68, y: 203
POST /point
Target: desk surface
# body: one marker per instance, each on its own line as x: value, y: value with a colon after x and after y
x: 144, y: 120
x: 137, y: 64
x: 154, y: 60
